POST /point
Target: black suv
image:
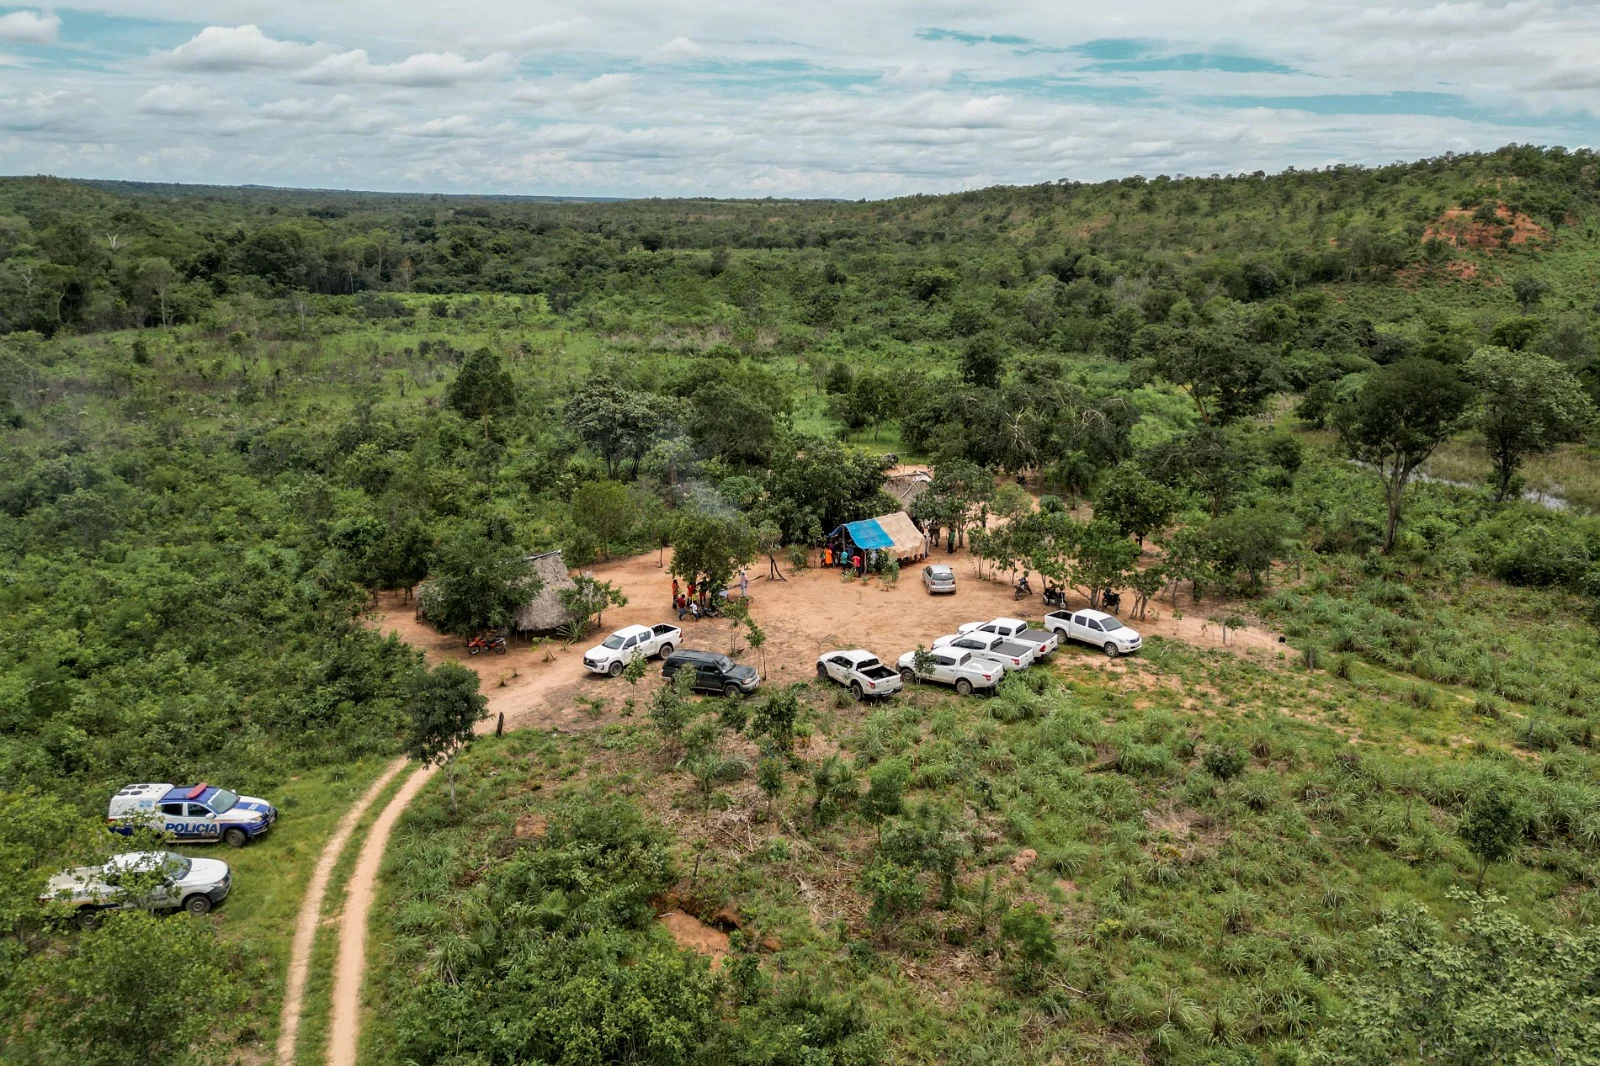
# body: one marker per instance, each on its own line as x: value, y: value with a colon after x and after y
x: 713, y: 672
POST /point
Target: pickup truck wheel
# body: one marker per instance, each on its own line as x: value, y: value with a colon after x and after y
x: 908, y: 675
x: 236, y: 838
x: 197, y: 904
x: 855, y: 690
x: 666, y: 650
x: 730, y: 690
x: 822, y: 672
x: 1111, y: 650
x: 1061, y: 635
x: 615, y: 669
x: 964, y: 687
x: 88, y: 917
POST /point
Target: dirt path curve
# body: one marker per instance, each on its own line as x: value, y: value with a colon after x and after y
x: 310, y: 916
x: 344, y: 1012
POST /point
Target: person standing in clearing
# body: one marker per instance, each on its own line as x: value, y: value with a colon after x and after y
x: 827, y: 556
x: 859, y: 563
x: 744, y: 584
x: 677, y: 592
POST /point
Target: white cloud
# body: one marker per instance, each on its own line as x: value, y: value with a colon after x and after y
x: 228, y: 48
x: 299, y: 108
x: 916, y: 76
x: 677, y: 50
x: 561, y: 90
x: 845, y: 101
x: 178, y: 101
x: 29, y: 27
x: 422, y: 69
x: 551, y: 35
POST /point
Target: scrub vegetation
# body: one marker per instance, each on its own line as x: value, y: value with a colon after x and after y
x: 1353, y: 405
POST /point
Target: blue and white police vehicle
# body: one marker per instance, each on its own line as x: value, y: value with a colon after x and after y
x: 193, y: 814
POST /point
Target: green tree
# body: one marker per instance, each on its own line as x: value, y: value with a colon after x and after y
x: 477, y: 583
x: 616, y: 422
x: 1103, y: 557
x: 1226, y: 373
x: 1492, y: 990
x: 154, y: 280
x: 444, y: 707
x: 886, y: 789
x: 708, y: 548
x: 775, y: 720
x: 1402, y: 413
x: 1531, y: 403
x: 1516, y: 333
x: 1491, y: 825
x: 588, y: 597
x: 1134, y: 503
x: 1250, y: 539
x: 1529, y: 292
x: 483, y: 388
x: 140, y: 989
x: 769, y: 778
x: 606, y: 510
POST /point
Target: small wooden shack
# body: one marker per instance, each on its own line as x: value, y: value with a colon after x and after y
x: 545, y: 613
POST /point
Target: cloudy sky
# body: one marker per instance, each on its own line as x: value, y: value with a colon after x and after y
x: 862, y: 99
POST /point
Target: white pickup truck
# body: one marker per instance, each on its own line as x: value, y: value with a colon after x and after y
x: 1018, y: 632
x: 612, y: 655
x: 860, y: 671
x: 1104, y: 631
x: 156, y: 880
x: 952, y: 666
x: 998, y: 650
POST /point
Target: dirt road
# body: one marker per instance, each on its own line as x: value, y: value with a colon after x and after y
x: 305, y: 926
x: 344, y: 1012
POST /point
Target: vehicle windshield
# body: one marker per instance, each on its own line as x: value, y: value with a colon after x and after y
x: 223, y: 801
x: 941, y: 571
x: 725, y: 665
x: 614, y: 641
x: 1110, y: 625
x: 176, y: 867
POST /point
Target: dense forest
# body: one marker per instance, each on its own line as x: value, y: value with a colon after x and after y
x: 1353, y: 404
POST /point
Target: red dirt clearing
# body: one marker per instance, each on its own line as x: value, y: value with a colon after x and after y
x: 812, y: 612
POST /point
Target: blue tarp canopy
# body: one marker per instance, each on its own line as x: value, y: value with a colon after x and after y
x: 865, y: 534
x: 888, y: 532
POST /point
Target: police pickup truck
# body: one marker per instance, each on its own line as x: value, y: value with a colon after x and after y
x: 1017, y: 631
x: 612, y: 655
x: 193, y: 814
x: 155, y: 880
x: 860, y: 671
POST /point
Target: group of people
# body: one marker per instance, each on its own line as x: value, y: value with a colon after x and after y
x: 701, y: 592
x: 848, y: 556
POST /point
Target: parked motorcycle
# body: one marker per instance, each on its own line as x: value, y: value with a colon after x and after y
x: 1111, y: 602
x: 485, y: 642
x: 1022, y: 589
x: 1056, y: 598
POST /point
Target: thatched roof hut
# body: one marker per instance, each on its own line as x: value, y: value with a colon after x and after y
x: 545, y: 612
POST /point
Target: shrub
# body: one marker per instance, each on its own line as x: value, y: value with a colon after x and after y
x: 1224, y: 762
